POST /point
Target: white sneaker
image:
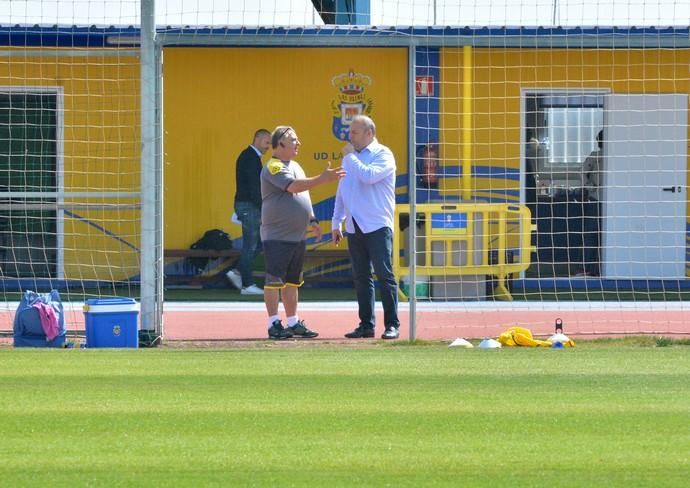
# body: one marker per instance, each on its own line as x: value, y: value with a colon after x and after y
x: 252, y: 290
x: 235, y: 278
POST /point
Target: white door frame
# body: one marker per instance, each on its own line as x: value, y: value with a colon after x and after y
x: 59, y: 93
x: 524, y: 93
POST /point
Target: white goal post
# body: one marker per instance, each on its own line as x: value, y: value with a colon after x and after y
x: 542, y: 146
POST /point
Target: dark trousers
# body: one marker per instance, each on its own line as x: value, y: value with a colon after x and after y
x: 250, y: 216
x: 591, y: 237
x: 367, y: 250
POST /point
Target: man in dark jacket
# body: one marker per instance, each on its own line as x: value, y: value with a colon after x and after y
x: 248, y: 210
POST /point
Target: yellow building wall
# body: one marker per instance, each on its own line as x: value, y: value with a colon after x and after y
x: 499, y: 75
x: 216, y: 98
x: 101, y: 153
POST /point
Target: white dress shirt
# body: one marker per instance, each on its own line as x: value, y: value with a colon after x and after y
x: 367, y: 192
x: 258, y: 153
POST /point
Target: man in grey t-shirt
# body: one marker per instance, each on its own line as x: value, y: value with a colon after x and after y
x: 286, y: 212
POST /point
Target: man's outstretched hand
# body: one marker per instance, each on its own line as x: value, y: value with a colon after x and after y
x: 332, y: 174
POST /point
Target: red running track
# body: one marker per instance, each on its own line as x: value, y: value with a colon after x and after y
x: 227, y: 321
x: 435, y: 321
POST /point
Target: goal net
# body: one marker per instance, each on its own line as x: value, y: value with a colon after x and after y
x: 541, y: 147
x: 69, y: 154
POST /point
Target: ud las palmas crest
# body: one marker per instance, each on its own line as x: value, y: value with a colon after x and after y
x: 352, y: 100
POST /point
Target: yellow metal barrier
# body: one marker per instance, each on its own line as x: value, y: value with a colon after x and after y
x: 459, y: 239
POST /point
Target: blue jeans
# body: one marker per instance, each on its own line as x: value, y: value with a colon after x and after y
x: 250, y: 216
x: 367, y: 250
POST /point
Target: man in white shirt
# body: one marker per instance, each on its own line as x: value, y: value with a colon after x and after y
x: 365, y: 200
x: 591, y: 212
x: 591, y: 169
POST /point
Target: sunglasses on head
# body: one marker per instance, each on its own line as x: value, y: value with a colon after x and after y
x: 283, y: 132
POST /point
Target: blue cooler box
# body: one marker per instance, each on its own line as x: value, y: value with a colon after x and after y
x: 111, y: 322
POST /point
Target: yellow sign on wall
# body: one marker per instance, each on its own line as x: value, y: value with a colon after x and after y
x: 216, y: 98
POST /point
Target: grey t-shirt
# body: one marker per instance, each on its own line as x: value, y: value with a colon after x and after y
x: 284, y: 215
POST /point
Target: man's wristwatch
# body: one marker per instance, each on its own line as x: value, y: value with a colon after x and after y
x: 314, y: 221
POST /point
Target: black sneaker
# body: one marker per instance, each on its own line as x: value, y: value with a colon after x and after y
x: 278, y: 332
x: 361, y: 333
x: 300, y: 331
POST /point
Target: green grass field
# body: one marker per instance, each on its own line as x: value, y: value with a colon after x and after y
x: 381, y: 415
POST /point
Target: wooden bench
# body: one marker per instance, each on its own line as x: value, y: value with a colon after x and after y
x: 201, y: 253
x: 197, y: 280
x: 232, y: 253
